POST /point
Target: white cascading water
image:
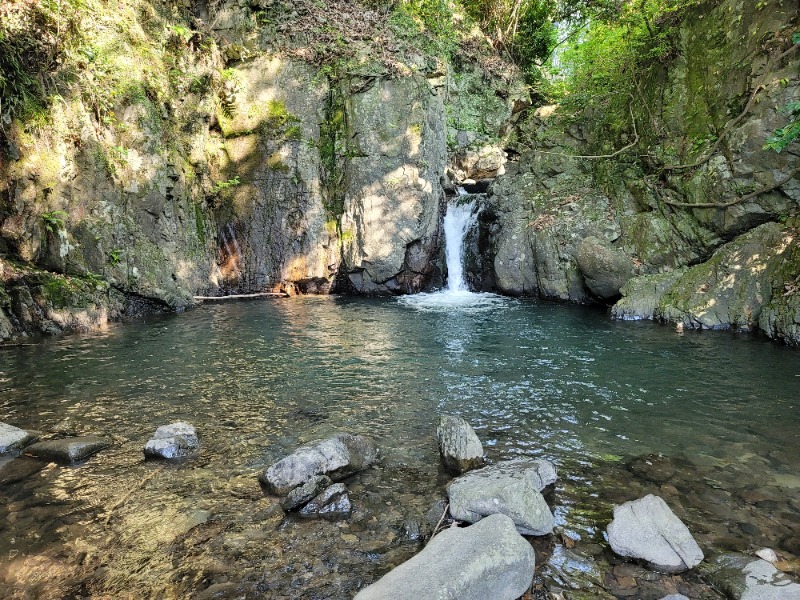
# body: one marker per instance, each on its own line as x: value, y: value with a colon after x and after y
x: 458, y: 220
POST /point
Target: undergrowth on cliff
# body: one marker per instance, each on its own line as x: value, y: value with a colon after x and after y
x: 603, y: 70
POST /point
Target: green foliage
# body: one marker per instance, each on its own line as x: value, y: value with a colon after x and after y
x: 786, y: 135
x: 54, y: 220
x: 114, y: 256
x: 34, y: 37
x: 224, y: 185
x: 604, y: 67
x: 429, y: 23
x: 524, y: 29
x: 333, y: 152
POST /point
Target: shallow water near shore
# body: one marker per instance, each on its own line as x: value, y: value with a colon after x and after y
x: 709, y: 421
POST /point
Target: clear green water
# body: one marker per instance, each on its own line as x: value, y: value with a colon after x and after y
x: 257, y: 379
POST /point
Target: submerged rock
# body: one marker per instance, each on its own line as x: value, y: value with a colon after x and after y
x: 14, y: 439
x: 745, y: 578
x: 511, y: 488
x: 648, y: 530
x: 13, y: 470
x: 302, y: 494
x: 173, y: 441
x: 67, y: 451
x: 459, y: 446
x: 332, y: 503
x: 337, y: 457
x: 486, y: 560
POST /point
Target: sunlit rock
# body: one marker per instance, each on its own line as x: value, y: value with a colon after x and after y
x: 459, y: 446
x: 486, y: 560
x: 173, y: 441
x: 512, y: 488
x: 67, y: 450
x: 648, y: 530
x: 337, y: 457
x: 13, y: 439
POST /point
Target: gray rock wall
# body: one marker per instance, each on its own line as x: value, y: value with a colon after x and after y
x: 634, y: 204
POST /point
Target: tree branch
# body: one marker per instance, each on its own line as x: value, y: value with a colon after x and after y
x: 598, y: 156
x: 792, y: 174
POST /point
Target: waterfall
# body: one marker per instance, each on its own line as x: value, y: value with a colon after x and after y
x: 457, y: 221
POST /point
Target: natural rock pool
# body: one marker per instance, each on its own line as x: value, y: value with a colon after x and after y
x: 718, y: 410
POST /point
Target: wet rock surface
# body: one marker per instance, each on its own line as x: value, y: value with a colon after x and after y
x: 304, y: 493
x: 647, y: 529
x: 67, y: 451
x: 486, y: 560
x: 13, y: 439
x: 332, y: 503
x: 511, y: 488
x: 337, y: 457
x: 459, y: 446
x: 174, y: 441
x: 746, y: 578
x: 13, y: 470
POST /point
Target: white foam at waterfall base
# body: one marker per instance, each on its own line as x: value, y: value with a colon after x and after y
x: 457, y: 222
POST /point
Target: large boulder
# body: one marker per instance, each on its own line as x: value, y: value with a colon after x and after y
x: 459, y: 446
x: 14, y: 439
x: 67, y: 451
x: 743, y: 577
x: 337, y: 457
x: 486, y: 560
x: 173, y: 441
x: 605, y: 269
x: 512, y: 488
x: 647, y: 529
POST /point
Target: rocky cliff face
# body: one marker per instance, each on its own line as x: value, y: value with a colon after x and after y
x: 693, y: 209
x: 224, y: 168
x: 215, y: 160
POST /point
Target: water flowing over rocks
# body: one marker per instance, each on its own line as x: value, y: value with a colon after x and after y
x: 746, y: 578
x: 511, y: 488
x: 337, y: 457
x: 13, y: 439
x: 459, y: 446
x: 648, y: 530
x: 67, y: 451
x: 174, y: 441
x: 486, y: 560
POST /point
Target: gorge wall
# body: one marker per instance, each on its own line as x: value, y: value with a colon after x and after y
x: 217, y: 158
x: 686, y: 215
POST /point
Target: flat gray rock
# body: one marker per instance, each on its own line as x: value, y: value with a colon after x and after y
x: 459, y: 446
x: 486, y: 560
x: 746, y: 578
x: 337, y: 457
x: 647, y: 529
x: 332, y: 503
x: 511, y: 488
x: 13, y: 439
x: 173, y: 441
x: 67, y: 451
